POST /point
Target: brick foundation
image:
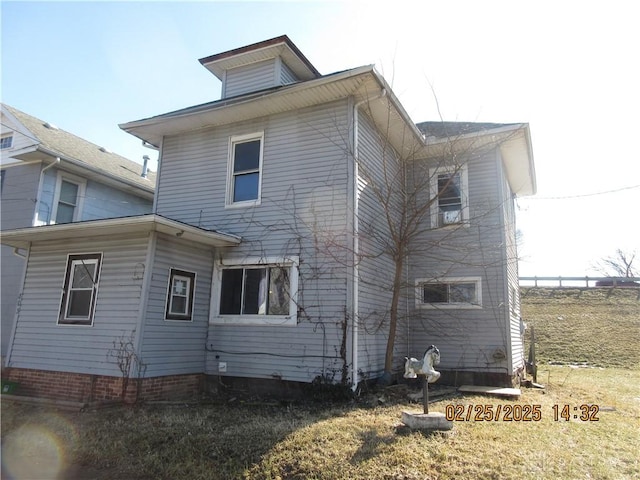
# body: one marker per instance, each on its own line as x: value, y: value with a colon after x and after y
x: 82, y: 387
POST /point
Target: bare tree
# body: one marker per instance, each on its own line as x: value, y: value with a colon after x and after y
x: 619, y: 265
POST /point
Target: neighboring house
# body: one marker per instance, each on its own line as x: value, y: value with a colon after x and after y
x: 267, y: 256
x: 50, y: 176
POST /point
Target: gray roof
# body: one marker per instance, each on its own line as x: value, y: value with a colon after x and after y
x: 72, y: 147
x: 455, y: 129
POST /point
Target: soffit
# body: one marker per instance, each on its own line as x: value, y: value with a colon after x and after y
x: 363, y: 84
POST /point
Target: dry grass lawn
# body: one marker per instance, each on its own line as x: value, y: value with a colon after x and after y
x: 363, y: 439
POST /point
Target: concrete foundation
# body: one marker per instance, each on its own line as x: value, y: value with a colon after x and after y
x: 426, y: 421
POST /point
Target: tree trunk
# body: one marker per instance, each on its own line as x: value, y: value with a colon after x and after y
x: 393, y: 314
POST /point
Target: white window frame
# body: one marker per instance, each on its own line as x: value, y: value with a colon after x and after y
x: 74, y: 259
x: 82, y: 187
x: 242, y: 319
x: 233, y: 141
x: 464, y: 192
x: 5, y: 136
x: 190, y: 277
x: 421, y: 282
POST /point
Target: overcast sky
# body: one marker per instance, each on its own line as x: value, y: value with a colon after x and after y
x: 570, y: 69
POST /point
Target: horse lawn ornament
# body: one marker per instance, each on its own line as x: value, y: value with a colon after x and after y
x: 414, y: 367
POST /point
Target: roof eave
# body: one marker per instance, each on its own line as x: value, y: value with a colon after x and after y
x: 23, y: 237
x: 143, y: 128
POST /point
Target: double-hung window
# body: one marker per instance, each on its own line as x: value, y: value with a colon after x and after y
x: 80, y: 289
x: 68, y: 199
x: 6, y: 141
x: 180, y: 293
x: 452, y: 292
x: 258, y: 293
x: 245, y: 169
x: 449, y: 186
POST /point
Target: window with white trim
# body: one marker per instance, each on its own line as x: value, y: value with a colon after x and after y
x: 451, y: 187
x: 6, y: 141
x: 257, y: 293
x: 452, y: 292
x: 245, y: 169
x: 180, y: 294
x: 68, y: 199
x: 80, y: 289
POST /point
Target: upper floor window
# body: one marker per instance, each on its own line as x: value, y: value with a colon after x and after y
x: 451, y: 292
x: 68, y: 199
x: 451, y: 187
x: 245, y: 169
x: 180, y: 295
x: 257, y: 292
x: 80, y: 289
x: 6, y: 141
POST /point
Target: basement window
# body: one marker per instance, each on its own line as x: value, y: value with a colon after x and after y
x: 80, y: 289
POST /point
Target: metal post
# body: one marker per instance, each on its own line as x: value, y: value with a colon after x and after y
x: 425, y: 394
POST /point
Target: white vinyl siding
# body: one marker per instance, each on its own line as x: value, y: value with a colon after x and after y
x: 40, y: 343
x: 249, y: 78
x: 303, y: 212
x: 375, y: 268
x: 467, y: 338
x: 176, y: 347
x: 286, y: 75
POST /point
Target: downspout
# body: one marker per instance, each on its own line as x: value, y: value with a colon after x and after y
x: 356, y: 242
x: 39, y: 191
x: 154, y: 208
x: 16, y: 314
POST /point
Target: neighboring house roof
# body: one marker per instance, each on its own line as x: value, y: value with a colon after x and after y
x: 454, y: 129
x: 21, y: 237
x: 59, y: 143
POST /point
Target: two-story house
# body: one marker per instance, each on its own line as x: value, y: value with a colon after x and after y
x: 272, y: 253
x: 51, y: 176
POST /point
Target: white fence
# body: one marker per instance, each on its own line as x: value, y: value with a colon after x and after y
x: 568, y: 282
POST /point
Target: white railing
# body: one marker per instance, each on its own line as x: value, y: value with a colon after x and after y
x: 620, y: 282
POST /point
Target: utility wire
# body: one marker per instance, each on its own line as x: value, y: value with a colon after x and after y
x: 585, y: 194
